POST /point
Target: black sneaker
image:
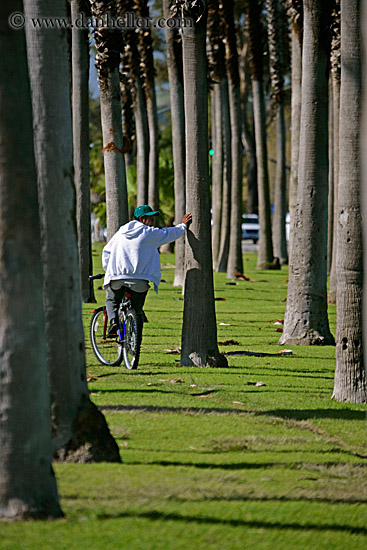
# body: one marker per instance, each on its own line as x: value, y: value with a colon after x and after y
x: 112, y: 331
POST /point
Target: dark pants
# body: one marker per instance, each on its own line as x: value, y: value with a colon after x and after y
x: 114, y: 299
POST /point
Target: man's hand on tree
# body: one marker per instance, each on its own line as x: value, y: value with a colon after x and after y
x: 187, y: 219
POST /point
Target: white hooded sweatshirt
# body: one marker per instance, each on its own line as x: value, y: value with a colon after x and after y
x: 132, y: 253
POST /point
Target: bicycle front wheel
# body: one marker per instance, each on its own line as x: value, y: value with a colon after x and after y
x: 133, y: 336
x: 107, y: 350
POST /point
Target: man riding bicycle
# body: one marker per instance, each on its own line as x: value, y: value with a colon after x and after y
x: 131, y: 259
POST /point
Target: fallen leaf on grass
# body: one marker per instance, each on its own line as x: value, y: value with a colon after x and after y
x: 193, y: 385
x: 172, y: 380
x: 229, y: 343
x: 260, y: 384
x: 237, y: 403
x: 91, y: 378
x: 173, y: 351
x: 279, y: 330
x: 285, y: 352
x: 224, y: 324
x: 240, y: 277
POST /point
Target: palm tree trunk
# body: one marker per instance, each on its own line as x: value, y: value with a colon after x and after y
x: 350, y: 383
x: 335, y: 74
x: 306, y: 320
x: 234, y: 264
x: 199, y: 331
x: 153, y: 189
x: 265, y: 253
x: 330, y: 227
x: 296, y: 15
x: 109, y: 49
x: 255, y: 37
x: 72, y: 410
x: 217, y: 172
x: 80, y: 99
x: 114, y: 161
x: 222, y: 260
x: 145, y: 52
x: 248, y: 139
x: 142, y: 144
x: 28, y: 486
x: 175, y: 76
x: 279, y: 239
x: 363, y: 159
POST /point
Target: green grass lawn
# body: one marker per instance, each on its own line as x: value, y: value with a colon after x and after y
x: 210, y: 460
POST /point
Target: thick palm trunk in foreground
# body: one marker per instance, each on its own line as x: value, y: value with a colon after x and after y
x: 27, y: 483
x: 306, y: 319
x: 350, y: 383
x: 199, y: 331
x: 79, y: 429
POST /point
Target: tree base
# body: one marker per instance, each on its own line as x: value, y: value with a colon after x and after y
x: 275, y: 264
x: 91, y: 441
x: 17, y: 510
x: 359, y: 396
x: 208, y: 359
x: 331, y: 299
x: 309, y: 338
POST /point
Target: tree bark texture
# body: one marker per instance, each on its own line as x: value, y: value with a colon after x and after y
x: 175, y: 76
x: 350, y: 382
x: 235, y: 263
x: 296, y: 98
x: 222, y: 260
x: 49, y: 74
x: 255, y: 39
x: 330, y: 219
x: 335, y: 79
x: 27, y: 483
x: 114, y: 161
x: 265, y: 254
x: 248, y: 138
x: 109, y: 45
x: 276, y: 44
x: 199, y: 332
x: 80, y: 99
x: 131, y: 68
x: 142, y: 145
x: 306, y: 320
x: 363, y: 159
x: 217, y: 170
x: 145, y: 47
x: 279, y: 238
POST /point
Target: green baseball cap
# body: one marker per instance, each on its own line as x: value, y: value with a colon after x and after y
x: 145, y: 210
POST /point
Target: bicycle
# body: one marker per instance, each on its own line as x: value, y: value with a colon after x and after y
x: 126, y: 344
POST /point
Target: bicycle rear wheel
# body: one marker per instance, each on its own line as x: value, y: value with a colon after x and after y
x: 107, y: 350
x: 133, y: 332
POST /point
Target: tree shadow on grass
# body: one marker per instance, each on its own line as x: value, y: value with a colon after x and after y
x: 162, y: 516
x: 309, y: 414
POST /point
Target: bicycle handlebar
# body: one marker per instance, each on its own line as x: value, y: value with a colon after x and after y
x: 93, y: 277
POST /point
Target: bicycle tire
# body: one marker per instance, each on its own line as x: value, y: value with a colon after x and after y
x: 107, y: 350
x: 134, y: 332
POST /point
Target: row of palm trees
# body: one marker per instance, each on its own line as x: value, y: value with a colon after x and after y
x: 39, y: 236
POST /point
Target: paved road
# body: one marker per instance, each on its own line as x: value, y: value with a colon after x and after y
x: 249, y: 246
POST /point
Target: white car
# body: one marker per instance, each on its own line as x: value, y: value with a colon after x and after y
x: 250, y: 227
